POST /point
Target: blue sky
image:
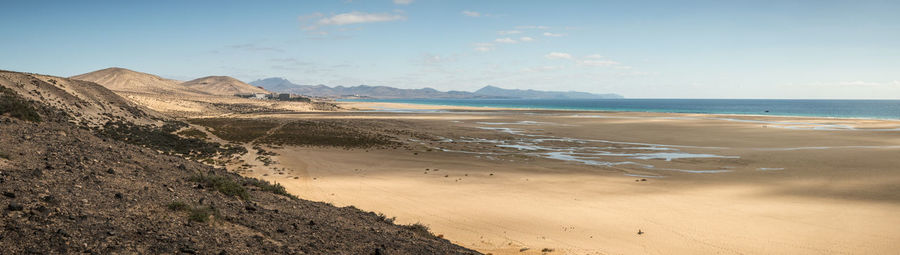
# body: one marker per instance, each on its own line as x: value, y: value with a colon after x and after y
x: 641, y: 49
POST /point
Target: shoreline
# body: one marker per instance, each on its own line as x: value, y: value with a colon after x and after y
x: 502, y: 180
x: 423, y: 106
x: 370, y: 107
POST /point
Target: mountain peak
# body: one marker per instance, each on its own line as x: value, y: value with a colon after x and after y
x: 494, y: 91
x: 121, y: 79
x: 222, y: 85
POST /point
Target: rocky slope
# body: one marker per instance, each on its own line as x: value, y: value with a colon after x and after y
x: 85, y: 103
x: 222, y: 85
x: 73, y: 188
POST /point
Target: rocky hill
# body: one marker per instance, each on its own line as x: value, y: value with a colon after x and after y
x: 124, y: 80
x: 120, y: 187
x: 222, y: 85
x: 84, y: 103
x: 492, y: 91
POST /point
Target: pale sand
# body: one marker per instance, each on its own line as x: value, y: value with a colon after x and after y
x: 789, y: 192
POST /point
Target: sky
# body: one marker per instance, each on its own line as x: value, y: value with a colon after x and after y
x: 639, y: 49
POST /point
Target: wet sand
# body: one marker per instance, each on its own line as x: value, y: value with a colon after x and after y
x: 499, y: 181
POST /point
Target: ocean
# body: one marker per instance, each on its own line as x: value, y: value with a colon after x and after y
x: 869, y: 109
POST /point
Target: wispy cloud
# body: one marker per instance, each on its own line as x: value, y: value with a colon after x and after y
x: 589, y: 60
x: 558, y: 55
x: 359, y: 17
x: 548, y: 34
x: 532, y: 27
x: 509, y: 32
x: 348, y: 18
x: 599, y: 62
x: 526, y: 39
x: 484, y: 47
x: 506, y: 40
x: 403, y: 2
x: 471, y: 13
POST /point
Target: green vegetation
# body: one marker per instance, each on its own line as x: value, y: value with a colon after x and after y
x: 198, y: 213
x: 17, y: 107
x: 235, y: 188
x: 384, y: 218
x: 327, y: 133
x: 193, y: 133
x: 237, y: 130
x: 161, y: 138
x: 419, y: 229
x: 201, y: 214
x: 223, y: 184
x: 178, y: 206
x: 268, y: 187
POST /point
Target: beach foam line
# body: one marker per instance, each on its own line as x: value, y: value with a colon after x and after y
x: 774, y: 124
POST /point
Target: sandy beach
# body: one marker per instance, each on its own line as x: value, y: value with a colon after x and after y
x: 507, y: 181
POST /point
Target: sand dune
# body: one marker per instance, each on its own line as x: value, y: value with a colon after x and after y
x: 222, y: 85
x: 121, y: 79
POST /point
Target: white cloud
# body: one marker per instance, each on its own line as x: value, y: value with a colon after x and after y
x: 594, y: 56
x: 558, y: 55
x: 599, y: 62
x: 509, y: 32
x: 526, y: 39
x: 358, y: 18
x: 403, y: 2
x: 532, y: 27
x: 506, y: 40
x: 471, y: 13
x: 484, y: 47
x: 548, y: 34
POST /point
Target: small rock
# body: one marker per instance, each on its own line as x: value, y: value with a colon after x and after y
x: 119, y: 195
x: 110, y: 171
x: 9, y: 194
x: 13, y: 206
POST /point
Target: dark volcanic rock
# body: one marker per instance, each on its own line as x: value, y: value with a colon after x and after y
x: 66, y: 190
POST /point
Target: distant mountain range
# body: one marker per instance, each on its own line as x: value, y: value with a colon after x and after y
x: 383, y: 92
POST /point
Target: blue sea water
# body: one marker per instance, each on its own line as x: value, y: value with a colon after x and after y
x: 873, y: 109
